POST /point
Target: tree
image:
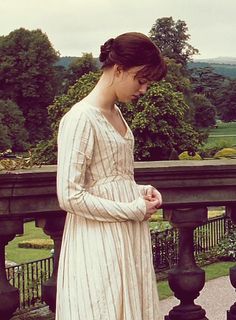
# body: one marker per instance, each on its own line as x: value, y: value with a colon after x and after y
x: 45, y: 152
x: 13, y: 120
x: 227, y: 102
x: 206, y: 81
x: 177, y: 78
x: 81, y: 66
x: 205, y: 112
x: 27, y: 76
x: 158, y: 121
x: 5, y: 141
x: 172, y: 39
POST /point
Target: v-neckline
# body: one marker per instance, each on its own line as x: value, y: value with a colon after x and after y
x: 109, y: 123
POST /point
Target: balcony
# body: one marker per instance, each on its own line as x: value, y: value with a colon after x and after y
x: 188, y: 188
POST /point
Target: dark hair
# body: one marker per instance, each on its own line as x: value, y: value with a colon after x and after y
x: 134, y: 49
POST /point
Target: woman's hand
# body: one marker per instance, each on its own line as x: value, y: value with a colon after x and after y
x: 153, y: 194
x: 153, y: 200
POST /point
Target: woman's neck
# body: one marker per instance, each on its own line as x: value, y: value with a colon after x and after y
x: 103, y: 95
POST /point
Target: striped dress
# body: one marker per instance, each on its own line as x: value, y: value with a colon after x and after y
x: 105, y: 269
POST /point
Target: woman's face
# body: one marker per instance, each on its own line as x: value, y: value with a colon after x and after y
x: 129, y: 85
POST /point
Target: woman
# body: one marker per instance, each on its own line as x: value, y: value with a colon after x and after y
x: 105, y: 269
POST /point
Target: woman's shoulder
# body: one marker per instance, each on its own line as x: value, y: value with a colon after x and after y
x: 80, y: 111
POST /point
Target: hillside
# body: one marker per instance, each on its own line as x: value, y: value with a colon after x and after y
x: 224, y: 68
x: 227, y: 70
x: 65, y: 61
x: 219, y: 60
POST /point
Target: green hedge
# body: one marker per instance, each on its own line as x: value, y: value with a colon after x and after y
x: 37, y: 244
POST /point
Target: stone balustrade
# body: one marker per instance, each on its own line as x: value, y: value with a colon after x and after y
x: 188, y: 188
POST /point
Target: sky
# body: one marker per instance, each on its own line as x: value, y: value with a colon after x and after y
x: 77, y: 26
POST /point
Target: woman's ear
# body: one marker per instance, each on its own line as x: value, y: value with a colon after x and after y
x: 117, y: 70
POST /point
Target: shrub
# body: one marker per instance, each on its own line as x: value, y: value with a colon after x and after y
x: 186, y: 156
x: 13, y: 120
x: 226, y: 249
x: 45, y: 152
x: 159, y: 123
x: 211, y: 148
x: 226, y: 153
x: 14, y: 163
x: 37, y: 244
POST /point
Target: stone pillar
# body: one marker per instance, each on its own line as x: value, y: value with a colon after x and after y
x: 9, y: 295
x: 53, y: 226
x: 231, y: 314
x: 186, y: 280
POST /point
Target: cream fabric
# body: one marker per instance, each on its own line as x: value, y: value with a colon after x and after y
x: 105, y: 269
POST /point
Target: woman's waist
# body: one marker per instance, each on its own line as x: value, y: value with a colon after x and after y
x: 122, y: 177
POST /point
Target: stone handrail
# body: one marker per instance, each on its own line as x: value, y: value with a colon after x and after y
x: 188, y: 187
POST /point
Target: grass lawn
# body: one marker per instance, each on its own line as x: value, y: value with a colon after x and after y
x: 224, y: 135
x: 228, y: 128
x: 213, y: 271
x: 20, y: 255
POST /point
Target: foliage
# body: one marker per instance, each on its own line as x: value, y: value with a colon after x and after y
x: 218, y: 89
x: 226, y: 153
x: 79, y: 67
x: 27, y: 76
x: 205, y: 113
x: 177, y: 76
x: 209, y: 149
x: 157, y: 120
x: 186, y: 156
x: 12, y: 118
x: 172, y: 39
x: 5, y: 141
x: 158, y: 123
x: 224, y: 68
x: 37, y: 244
x: 227, y: 102
x: 206, y: 81
x: 46, y: 151
x: 18, y: 162
x: 61, y: 82
x: 226, y: 249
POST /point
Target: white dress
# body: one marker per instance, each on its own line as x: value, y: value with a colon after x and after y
x: 105, y: 269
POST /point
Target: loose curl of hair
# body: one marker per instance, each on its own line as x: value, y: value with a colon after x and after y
x: 134, y: 49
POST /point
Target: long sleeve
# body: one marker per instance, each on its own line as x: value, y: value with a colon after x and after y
x: 75, y: 151
x: 143, y: 188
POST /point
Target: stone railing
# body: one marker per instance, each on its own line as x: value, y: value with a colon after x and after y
x: 188, y: 188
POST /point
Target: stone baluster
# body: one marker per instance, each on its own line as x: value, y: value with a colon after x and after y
x: 52, y: 226
x: 186, y: 280
x: 9, y: 295
x: 231, y: 314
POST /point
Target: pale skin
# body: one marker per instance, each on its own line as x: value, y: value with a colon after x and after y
x: 117, y: 84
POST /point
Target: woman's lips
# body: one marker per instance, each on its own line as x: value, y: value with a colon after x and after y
x: 134, y: 97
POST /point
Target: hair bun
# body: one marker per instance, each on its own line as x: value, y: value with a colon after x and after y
x: 105, y: 49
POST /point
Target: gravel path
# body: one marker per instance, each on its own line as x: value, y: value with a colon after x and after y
x: 216, y: 298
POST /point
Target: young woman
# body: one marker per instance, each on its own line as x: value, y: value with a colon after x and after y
x: 105, y: 269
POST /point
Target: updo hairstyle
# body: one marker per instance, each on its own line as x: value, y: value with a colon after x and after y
x: 134, y: 49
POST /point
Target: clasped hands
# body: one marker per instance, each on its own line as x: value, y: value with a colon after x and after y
x: 153, y: 201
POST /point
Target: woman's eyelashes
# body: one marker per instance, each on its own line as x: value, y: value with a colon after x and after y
x: 142, y: 81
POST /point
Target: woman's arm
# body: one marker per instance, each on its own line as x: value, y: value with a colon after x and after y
x: 75, y: 151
